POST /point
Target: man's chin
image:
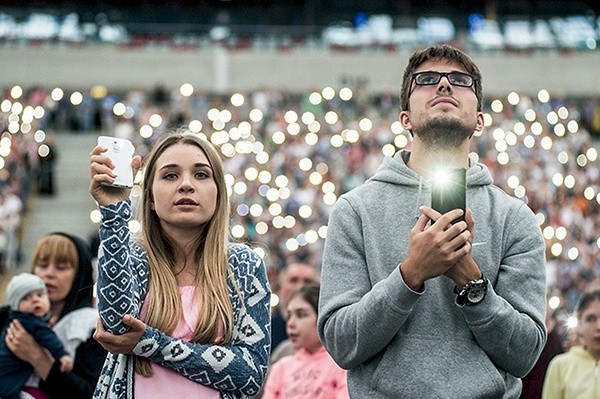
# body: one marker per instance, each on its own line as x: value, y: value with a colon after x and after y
x: 445, y: 130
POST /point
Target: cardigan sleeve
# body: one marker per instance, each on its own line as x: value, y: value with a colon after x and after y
x: 122, y: 269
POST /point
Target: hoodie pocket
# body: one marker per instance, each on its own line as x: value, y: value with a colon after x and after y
x: 417, y: 367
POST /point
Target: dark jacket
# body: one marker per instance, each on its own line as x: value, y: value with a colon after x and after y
x: 89, y: 355
x: 15, y: 372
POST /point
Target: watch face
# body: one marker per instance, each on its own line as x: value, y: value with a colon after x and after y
x: 476, y: 293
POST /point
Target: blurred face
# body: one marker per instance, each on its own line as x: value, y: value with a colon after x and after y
x: 184, y: 191
x: 58, y: 277
x: 36, y: 302
x: 442, y: 113
x: 589, y: 328
x: 301, y: 325
x: 295, y: 277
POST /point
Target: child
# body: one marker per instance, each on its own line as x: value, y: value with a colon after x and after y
x: 310, y: 372
x: 575, y: 374
x: 29, y: 303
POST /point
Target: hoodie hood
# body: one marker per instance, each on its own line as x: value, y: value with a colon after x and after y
x: 81, y: 294
x: 394, y: 170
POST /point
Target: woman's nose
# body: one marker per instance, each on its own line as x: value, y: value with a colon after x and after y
x: 186, y: 185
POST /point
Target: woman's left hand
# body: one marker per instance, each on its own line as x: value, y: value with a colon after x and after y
x: 26, y: 348
x: 123, y: 343
x: 22, y: 344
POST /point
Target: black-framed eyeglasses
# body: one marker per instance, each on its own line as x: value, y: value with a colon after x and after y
x: 428, y: 78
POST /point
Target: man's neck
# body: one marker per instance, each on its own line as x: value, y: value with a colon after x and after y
x: 425, y: 160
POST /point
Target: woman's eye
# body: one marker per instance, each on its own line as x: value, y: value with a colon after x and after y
x: 169, y: 176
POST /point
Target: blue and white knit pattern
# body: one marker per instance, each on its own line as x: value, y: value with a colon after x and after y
x: 237, y: 368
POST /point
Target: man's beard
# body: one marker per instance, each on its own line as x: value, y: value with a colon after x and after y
x: 444, y: 133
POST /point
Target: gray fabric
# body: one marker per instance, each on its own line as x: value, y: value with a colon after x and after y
x: 399, y: 343
x: 21, y: 285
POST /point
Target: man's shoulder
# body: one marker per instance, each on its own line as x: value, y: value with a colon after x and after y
x: 502, y: 198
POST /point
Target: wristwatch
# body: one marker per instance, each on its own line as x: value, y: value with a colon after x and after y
x: 472, y: 293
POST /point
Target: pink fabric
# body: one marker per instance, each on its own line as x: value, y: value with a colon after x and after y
x: 164, y: 382
x: 306, y: 376
x: 36, y: 393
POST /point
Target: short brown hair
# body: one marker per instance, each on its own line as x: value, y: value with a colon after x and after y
x: 436, y: 53
x: 310, y: 293
x: 586, y: 299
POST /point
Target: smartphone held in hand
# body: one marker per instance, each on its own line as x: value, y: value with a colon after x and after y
x: 120, y: 152
x: 449, y: 191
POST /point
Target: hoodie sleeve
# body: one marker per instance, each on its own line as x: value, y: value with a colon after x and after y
x: 509, y: 323
x: 357, y: 320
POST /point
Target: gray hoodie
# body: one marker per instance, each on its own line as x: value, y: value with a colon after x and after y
x: 397, y: 343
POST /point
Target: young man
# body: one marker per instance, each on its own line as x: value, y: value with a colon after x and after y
x: 415, y: 302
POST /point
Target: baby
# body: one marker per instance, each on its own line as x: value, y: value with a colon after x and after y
x: 28, y: 298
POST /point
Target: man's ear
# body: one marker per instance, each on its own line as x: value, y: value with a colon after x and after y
x: 480, y: 122
x: 404, y: 119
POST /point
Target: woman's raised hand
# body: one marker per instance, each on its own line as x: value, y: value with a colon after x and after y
x: 102, y: 175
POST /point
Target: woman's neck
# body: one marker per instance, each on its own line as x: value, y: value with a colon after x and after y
x: 55, y: 311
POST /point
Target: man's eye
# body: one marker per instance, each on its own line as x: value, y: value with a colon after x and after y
x: 460, y: 79
x: 427, y: 78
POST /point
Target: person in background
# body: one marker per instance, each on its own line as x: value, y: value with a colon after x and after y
x: 291, y: 277
x: 11, y: 216
x: 309, y: 373
x: 63, y: 262
x: 28, y: 298
x: 575, y: 374
x: 48, y: 158
x: 414, y: 302
x: 534, y: 380
x: 184, y: 312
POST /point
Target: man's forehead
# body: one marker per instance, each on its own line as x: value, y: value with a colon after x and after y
x: 440, y: 65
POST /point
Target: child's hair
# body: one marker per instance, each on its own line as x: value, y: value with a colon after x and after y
x: 585, y: 300
x: 310, y: 293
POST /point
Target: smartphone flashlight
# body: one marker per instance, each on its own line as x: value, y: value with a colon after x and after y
x: 448, y: 191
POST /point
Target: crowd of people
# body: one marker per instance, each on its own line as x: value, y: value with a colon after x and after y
x: 295, y: 153
x: 287, y: 157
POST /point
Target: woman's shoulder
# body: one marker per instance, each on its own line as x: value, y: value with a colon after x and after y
x: 242, y: 254
x: 246, y: 265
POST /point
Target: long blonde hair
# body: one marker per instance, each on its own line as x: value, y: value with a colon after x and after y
x: 164, y: 301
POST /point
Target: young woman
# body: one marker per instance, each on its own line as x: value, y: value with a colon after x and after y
x: 183, y: 312
x: 64, y: 263
x: 576, y: 374
x: 310, y: 373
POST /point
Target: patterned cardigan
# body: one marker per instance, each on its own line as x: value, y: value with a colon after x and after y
x: 237, y: 369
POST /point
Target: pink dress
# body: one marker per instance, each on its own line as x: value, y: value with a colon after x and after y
x: 164, y: 382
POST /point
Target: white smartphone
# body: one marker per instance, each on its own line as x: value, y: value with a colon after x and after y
x: 120, y: 152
